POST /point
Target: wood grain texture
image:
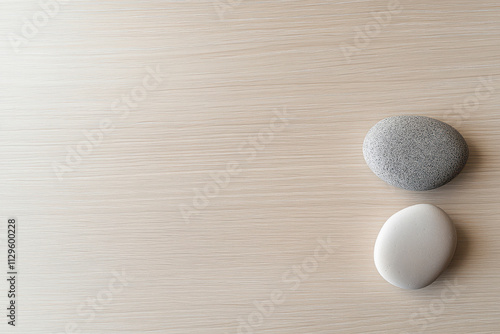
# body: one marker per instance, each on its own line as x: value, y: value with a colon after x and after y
x: 263, y: 106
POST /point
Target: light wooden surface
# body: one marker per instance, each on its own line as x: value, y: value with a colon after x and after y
x: 203, y: 264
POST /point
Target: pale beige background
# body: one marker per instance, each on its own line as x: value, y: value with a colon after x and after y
x: 226, y: 71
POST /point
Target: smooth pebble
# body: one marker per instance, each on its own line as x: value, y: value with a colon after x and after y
x: 414, y: 246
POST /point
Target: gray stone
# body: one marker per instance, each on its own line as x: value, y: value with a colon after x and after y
x: 415, y: 152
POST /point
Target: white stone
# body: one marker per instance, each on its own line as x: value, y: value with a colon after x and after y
x: 414, y: 246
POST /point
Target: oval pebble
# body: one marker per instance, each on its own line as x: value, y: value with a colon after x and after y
x: 415, y: 152
x: 414, y: 246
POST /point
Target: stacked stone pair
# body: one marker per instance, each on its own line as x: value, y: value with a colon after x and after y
x: 415, y: 153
